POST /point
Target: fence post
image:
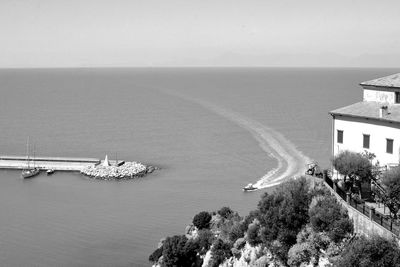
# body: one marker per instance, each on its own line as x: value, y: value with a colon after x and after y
x: 348, y: 197
x: 371, y: 213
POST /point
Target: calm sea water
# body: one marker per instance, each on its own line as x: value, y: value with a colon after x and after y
x: 67, y: 220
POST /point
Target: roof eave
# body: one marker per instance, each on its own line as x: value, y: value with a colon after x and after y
x: 379, y: 86
x: 333, y: 114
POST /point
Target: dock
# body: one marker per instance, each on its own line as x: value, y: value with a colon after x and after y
x: 45, y: 163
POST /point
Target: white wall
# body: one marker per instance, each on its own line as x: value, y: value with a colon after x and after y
x: 379, y: 96
x: 353, y: 130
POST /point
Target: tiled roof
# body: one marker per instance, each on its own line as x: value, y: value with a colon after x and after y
x: 388, y: 81
x: 369, y: 109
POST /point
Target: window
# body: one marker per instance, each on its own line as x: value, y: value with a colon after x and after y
x: 340, y: 136
x: 397, y: 97
x: 389, y: 146
x: 365, y: 140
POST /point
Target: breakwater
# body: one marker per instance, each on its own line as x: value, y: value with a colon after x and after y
x: 126, y: 170
x: 45, y: 163
x: 91, y: 167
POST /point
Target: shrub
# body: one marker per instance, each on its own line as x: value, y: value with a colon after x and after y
x: 202, y: 220
x: 307, y: 248
x: 220, y: 252
x: 391, y: 197
x: 300, y: 253
x: 319, y: 190
x: 327, y: 215
x: 340, y: 229
x: 352, y: 165
x: 253, y: 234
x: 236, y: 232
x: 156, y: 254
x: 178, y: 251
x: 204, y: 240
x: 375, y: 251
x: 283, y: 213
x: 225, y: 229
x: 225, y: 212
x: 254, y: 214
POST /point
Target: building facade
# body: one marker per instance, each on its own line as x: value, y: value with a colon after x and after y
x: 372, y: 124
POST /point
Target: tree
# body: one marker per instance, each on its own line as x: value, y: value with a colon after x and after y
x: 179, y: 252
x: 202, y: 220
x: 220, y: 251
x: 374, y: 251
x: 253, y: 236
x: 301, y: 254
x: 156, y: 254
x: 236, y: 232
x: 283, y: 214
x: 225, y: 212
x: 391, y: 184
x: 326, y: 215
x: 204, y: 239
x: 354, y: 166
x: 308, y: 246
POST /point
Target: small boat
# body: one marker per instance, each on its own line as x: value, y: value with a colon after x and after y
x: 249, y: 187
x: 50, y: 171
x: 29, y: 171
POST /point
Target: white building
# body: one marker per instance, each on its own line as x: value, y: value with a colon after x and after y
x: 373, y: 124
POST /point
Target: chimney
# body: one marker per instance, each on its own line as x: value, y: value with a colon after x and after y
x: 383, y: 111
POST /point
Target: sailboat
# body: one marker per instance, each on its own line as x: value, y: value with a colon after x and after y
x: 29, y: 171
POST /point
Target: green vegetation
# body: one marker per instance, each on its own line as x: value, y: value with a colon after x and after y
x: 308, y: 246
x: 202, y: 220
x: 156, y: 254
x: 253, y: 234
x: 179, y: 251
x: 367, y: 252
x: 326, y: 215
x: 283, y: 214
x: 391, y: 196
x: 295, y: 225
x: 220, y: 251
x: 225, y: 212
x: 204, y: 239
x: 355, y: 167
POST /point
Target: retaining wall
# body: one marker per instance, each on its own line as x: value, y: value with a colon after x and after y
x: 362, y: 223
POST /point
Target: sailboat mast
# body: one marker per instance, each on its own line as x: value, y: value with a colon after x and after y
x: 27, y: 151
x: 33, y: 160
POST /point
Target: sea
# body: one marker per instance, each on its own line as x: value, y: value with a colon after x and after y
x: 211, y: 131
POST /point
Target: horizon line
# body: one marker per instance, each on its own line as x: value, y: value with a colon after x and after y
x: 196, y: 67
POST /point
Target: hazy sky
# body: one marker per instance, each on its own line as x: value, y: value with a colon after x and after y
x: 83, y: 33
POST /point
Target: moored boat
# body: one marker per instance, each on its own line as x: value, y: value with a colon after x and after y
x: 50, y: 171
x: 250, y: 187
x: 29, y: 171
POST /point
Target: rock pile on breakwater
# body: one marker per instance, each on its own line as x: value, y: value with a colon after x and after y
x: 125, y: 171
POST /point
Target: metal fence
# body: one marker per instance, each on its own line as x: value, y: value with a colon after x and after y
x: 384, y: 220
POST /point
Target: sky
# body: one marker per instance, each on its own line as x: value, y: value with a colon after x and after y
x: 150, y: 33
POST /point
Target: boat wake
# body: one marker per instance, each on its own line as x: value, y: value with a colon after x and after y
x: 291, y: 161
